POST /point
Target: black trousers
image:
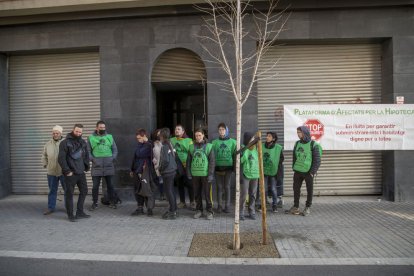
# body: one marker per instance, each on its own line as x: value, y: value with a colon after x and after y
x: 109, y: 187
x: 170, y: 191
x: 202, y: 188
x: 182, y: 183
x: 298, y: 178
x: 71, y: 181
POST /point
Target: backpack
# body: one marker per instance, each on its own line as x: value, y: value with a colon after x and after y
x: 316, y: 144
x: 105, y: 199
x: 180, y: 167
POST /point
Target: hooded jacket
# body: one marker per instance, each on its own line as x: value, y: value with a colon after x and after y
x: 73, y: 155
x: 102, y: 166
x: 316, y: 158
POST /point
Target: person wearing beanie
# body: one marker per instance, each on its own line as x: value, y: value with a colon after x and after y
x: 272, y: 162
x: 224, y: 149
x: 103, y: 152
x: 54, y: 171
x: 200, y: 169
x: 249, y: 162
x: 181, y: 144
x: 306, y: 162
x: 74, y: 160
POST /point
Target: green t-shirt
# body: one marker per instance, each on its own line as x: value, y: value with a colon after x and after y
x: 224, y: 151
x: 271, y: 158
x: 199, y: 160
x: 181, y: 146
x: 250, y: 164
x: 101, y: 146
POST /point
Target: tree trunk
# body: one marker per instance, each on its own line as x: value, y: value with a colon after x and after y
x: 236, y: 237
x: 262, y: 189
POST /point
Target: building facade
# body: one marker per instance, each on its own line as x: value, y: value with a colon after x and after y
x: 140, y: 64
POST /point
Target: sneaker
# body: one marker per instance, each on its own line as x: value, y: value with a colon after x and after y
x: 149, y: 213
x: 113, y: 206
x: 252, y: 216
x: 259, y: 208
x: 172, y: 215
x: 198, y: 214
x: 294, y: 211
x: 72, y: 218
x: 182, y: 205
x: 193, y: 206
x: 93, y: 207
x: 48, y: 212
x: 209, y: 216
x: 82, y: 215
x: 279, y: 202
x: 166, y: 214
x: 241, y: 217
x: 219, y: 209
x: 226, y: 210
x: 274, y: 208
x: 306, y: 211
x: 137, y: 212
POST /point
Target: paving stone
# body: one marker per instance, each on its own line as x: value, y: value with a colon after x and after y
x: 348, y: 229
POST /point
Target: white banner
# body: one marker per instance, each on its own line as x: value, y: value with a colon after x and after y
x: 353, y: 127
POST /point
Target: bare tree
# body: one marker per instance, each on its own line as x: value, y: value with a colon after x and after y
x: 223, y: 39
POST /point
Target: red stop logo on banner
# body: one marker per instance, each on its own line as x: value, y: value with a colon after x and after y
x: 316, y: 128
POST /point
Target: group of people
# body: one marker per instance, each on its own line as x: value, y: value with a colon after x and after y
x: 163, y: 162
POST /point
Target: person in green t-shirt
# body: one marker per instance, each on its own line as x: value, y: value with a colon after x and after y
x: 181, y: 144
x: 200, y: 169
x: 224, y: 150
x: 249, y: 176
x: 272, y: 162
x: 103, y: 153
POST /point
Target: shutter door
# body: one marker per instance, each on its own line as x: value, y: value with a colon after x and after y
x: 325, y: 74
x: 178, y: 65
x: 46, y: 90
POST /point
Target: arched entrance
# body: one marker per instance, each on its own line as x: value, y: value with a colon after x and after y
x: 179, y: 83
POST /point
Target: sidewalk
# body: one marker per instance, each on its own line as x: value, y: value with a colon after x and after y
x: 340, y: 230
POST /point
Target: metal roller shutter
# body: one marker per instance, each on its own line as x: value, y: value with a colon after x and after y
x: 178, y: 65
x: 46, y: 90
x: 325, y: 74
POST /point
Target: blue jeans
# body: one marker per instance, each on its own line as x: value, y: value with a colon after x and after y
x: 53, y: 182
x: 271, y: 181
x: 270, y: 184
x: 279, y: 183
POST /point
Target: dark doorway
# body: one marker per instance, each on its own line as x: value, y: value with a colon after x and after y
x: 181, y: 102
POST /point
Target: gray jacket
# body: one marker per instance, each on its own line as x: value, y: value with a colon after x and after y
x: 103, y: 166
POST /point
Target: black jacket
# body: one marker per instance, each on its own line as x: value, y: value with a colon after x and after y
x: 167, y: 159
x: 73, y: 155
x: 142, y: 155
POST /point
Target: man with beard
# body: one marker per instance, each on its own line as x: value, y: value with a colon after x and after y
x: 74, y: 160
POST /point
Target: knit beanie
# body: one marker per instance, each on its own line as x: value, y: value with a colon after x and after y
x: 58, y: 128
